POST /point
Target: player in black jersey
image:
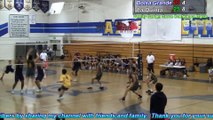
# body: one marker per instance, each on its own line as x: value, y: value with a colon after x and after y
x: 151, y: 81
x: 133, y: 85
x: 76, y: 67
x: 30, y: 73
x: 19, y: 74
x: 98, y: 75
x: 7, y: 70
x: 39, y: 77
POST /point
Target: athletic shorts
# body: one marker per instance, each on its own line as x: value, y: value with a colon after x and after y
x: 135, y: 87
x: 153, y: 81
x: 40, y: 77
x: 30, y: 73
x: 75, y: 69
x: 98, y: 76
x: 63, y: 88
x: 8, y: 69
x: 19, y: 77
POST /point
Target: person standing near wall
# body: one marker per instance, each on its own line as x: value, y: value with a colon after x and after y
x: 44, y: 58
x: 158, y: 102
x: 150, y: 60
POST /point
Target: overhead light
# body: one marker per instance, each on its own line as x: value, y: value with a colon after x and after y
x: 56, y: 8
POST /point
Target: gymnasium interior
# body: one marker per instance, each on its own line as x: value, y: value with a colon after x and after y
x: 114, y: 31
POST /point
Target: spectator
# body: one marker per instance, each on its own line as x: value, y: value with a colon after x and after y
x: 158, y: 101
x: 209, y: 63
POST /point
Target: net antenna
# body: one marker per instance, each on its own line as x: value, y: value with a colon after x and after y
x: 127, y: 35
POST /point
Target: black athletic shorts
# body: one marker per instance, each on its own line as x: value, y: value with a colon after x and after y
x: 30, y: 73
x: 98, y: 76
x: 19, y: 77
x: 9, y: 69
x: 135, y: 87
x: 40, y: 77
x: 153, y: 81
x: 63, y: 88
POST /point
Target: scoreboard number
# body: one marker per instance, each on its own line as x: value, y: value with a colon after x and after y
x: 184, y: 2
x: 176, y: 2
x: 183, y: 9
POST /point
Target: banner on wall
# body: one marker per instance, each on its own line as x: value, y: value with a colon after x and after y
x: 44, y: 5
x: 18, y: 5
x: 27, y: 5
x: 114, y: 28
x: 18, y: 26
x: 1, y: 4
x: 36, y: 5
x: 197, y: 27
x: 9, y: 4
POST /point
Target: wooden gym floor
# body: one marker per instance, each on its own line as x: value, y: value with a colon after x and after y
x: 193, y: 96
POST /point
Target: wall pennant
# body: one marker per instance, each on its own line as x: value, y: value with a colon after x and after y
x: 36, y: 5
x: 9, y: 4
x: 1, y: 4
x: 27, y: 5
x: 44, y: 5
x: 19, y: 5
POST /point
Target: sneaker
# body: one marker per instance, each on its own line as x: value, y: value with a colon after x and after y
x: 148, y: 91
x: 139, y: 97
x: 122, y: 99
x: 74, y: 80
x: 101, y: 88
x: 22, y: 91
x: 60, y: 98
x: 12, y: 91
x: 89, y: 88
x: 39, y: 90
x: 139, y: 87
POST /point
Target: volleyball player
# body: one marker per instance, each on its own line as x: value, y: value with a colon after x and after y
x: 133, y: 85
x: 150, y: 81
x: 39, y: 77
x: 8, y: 69
x: 65, y: 79
x: 98, y: 75
x: 76, y: 67
x: 30, y: 73
x: 19, y: 75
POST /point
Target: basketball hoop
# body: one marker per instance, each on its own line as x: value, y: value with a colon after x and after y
x: 126, y: 34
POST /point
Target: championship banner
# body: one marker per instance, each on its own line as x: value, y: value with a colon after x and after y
x: 36, y: 5
x: 18, y: 26
x: 18, y: 5
x: 1, y: 4
x: 27, y: 5
x: 44, y: 5
x: 9, y: 4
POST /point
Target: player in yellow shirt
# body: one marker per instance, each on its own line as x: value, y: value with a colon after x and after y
x: 65, y: 79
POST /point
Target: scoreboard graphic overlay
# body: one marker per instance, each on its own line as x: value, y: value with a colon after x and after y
x: 169, y: 6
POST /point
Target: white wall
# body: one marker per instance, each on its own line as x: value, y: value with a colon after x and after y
x: 112, y: 9
x: 96, y: 11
